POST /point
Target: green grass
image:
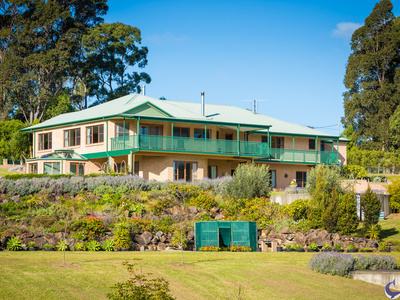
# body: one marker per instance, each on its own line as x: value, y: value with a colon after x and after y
x: 390, y: 230
x: 88, y: 275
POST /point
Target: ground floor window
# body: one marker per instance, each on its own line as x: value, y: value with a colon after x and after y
x: 33, y: 168
x: 185, y: 170
x: 273, y: 178
x: 77, y: 169
x: 52, y: 168
x: 212, y: 172
x: 301, y: 179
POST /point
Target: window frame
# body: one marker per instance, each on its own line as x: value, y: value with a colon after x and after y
x: 179, y: 133
x: 100, y: 134
x: 77, y: 140
x: 193, y: 170
x: 78, y: 166
x: 201, y: 135
x: 311, y: 144
x: 120, y: 126
x: 303, y: 179
x: 33, y: 166
x: 42, y: 141
x: 52, y: 168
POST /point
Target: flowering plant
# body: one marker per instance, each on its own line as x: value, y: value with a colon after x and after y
x: 210, y: 248
x: 240, y: 248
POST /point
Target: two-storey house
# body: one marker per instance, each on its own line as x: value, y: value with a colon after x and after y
x: 170, y: 140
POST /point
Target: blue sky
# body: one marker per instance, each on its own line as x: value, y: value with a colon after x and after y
x: 291, y: 55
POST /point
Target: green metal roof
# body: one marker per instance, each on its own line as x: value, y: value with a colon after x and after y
x: 136, y: 105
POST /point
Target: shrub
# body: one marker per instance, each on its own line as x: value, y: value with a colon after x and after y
x: 348, y: 220
x: 140, y: 287
x: 14, y: 244
x: 374, y: 231
x: 332, y: 263
x: 108, y: 245
x: 298, y: 247
x: 329, y: 175
x: 313, y: 246
x: 179, y: 238
x: 351, y: 247
x: 122, y: 236
x: 80, y: 247
x: 326, y: 247
x: 338, y: 247
x: 203, y: 200
x: 393, y: 189
x: 373, y: 262
x: 383, y: 246
x: 371, y: 207
x: 330, y: 215
x: 43, y: 222
x: 62, y: 245
x: 93, y: 246
x: 89, y: 227
x: 249, y: 181
x: 31, y: 245
x: 299, y: 209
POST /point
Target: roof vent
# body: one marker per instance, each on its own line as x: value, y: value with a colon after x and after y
x: 203, y: 105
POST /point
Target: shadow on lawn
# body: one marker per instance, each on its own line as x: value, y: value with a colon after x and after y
x: 386, y: 233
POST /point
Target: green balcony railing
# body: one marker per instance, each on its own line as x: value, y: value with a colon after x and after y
x: 212, y: 146
x: 304, y: 156
x: 184, y: 144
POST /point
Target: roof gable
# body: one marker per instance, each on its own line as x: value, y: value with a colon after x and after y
x: 147, y: 110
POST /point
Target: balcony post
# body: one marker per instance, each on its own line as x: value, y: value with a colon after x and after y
x: 205, y: 137
x: 137, y: 132
x: 238, y: 139
x: 269, y: 144
x: 293, y: 148
x: 124, y: 133
x: 316, y: 149
x: 172, y: 135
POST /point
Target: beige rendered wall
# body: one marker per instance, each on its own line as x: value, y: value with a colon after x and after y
x: 286, y: 169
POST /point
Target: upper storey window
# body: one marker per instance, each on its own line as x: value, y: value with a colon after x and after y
x: 95, y: 134
x: 119, y: 129
x: 45, y: 141
x: 72, y: 137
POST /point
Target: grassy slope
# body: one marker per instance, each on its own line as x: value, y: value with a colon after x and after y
x: 390, y: 230
x: 41, y: 275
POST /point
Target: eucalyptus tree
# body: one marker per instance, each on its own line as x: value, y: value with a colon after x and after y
x: 372, y: 78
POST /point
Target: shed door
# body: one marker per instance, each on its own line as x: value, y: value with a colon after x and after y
x: 206, y: 234
x: 240, y: 234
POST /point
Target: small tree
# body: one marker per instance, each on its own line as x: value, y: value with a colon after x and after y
x: 249, y: 181
x: 331, y: 214
x: 348, y: 221
x: 140, y: 287
x: 371, y: 207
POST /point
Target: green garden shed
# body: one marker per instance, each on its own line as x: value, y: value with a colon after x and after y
x: 226, y: 233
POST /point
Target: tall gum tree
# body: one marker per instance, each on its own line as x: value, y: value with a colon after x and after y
x: 372, y: 78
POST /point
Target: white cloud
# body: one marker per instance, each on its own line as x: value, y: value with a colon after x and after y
x: 345, y: 30
x: 166, y: 38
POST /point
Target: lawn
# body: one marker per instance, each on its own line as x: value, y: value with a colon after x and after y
x: 390, y: 230
x: 89, y: 275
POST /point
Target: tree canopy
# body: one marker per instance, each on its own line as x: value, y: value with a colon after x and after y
x: 372, y: 79
x: 50, y: 50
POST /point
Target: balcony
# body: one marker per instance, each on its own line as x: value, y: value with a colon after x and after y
x: 221, y: 147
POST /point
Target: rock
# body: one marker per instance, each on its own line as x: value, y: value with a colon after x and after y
x: 142, y: 248
x: 155, y: 240
x: 152, y: 248
x: 219, y: 217
x: 26, y: 235
x: 322, y: 234
x: 163, y: 239
x: 336, y: 236
x: 147, y: 237
x: 40, y: 242
x: 159, y: 234
x: 177, y: 210
x: 215, y: 209
x: 161, y: 246
x: 126, y: 214
x: 290, y: 237
x: 190, y: 235
x: 285, y: 230
x: 16, y: 198
x: 372, y: 244
x: 193, y: 210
